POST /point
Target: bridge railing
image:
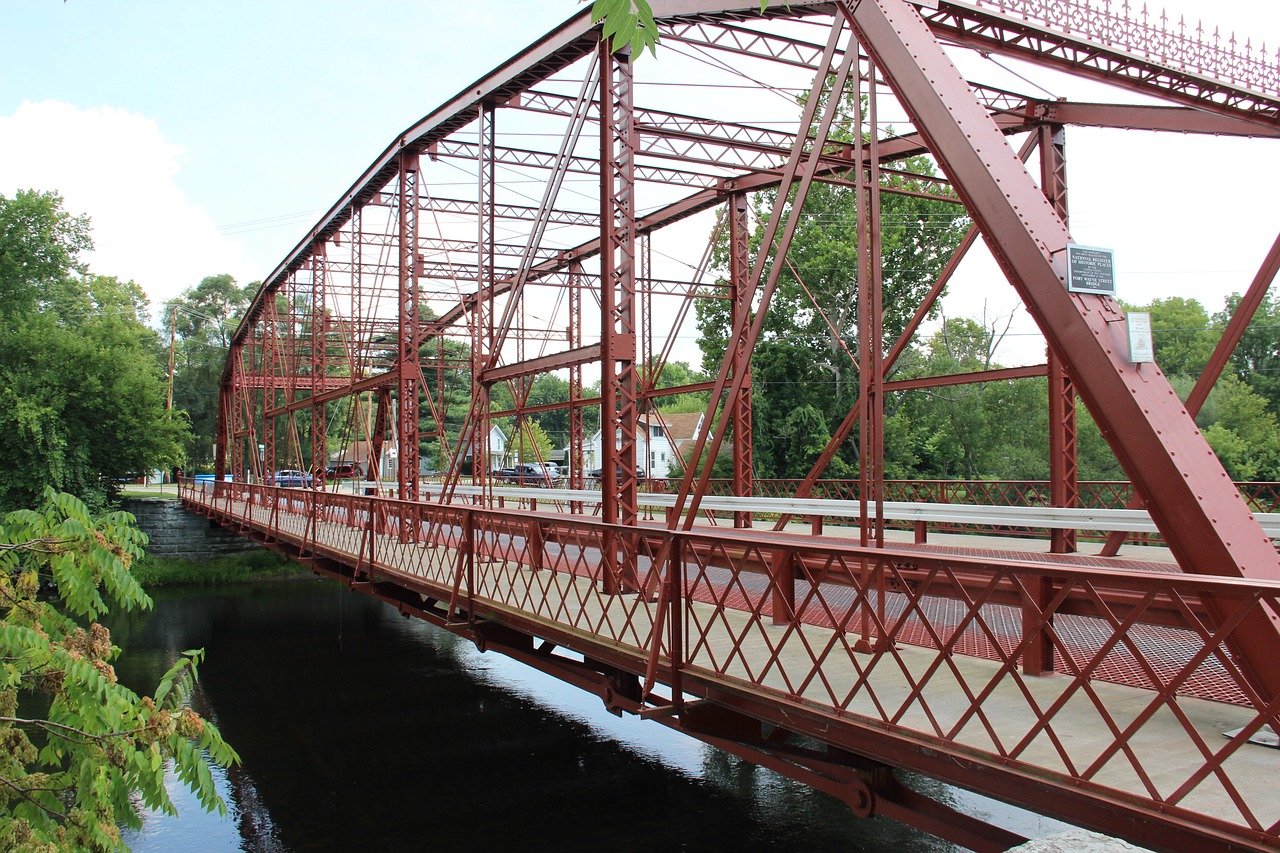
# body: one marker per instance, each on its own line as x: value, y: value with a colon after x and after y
x: 1125, y: 688
x: 1261, y: 497
x: 953, y: 655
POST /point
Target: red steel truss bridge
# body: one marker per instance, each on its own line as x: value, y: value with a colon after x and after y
x: 567, y: 213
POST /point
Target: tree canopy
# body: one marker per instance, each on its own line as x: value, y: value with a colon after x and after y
x: 203, y: 318
x: 804, y: 377
x: 82, y: 393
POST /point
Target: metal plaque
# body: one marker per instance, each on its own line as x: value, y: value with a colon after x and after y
x: 1091, y: 270
x: 1141, y: 348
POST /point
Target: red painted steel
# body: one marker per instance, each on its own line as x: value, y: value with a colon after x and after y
x: 319, y: 367
x: 1231, y: 335
x: 1139, y: 637
x: 1198, y: 511
x: 619, y: 411
x: 418, y: 302
x: 407, y: 364
x: 1063, y: 467
x: 739, y: 281
x: 773, y: 245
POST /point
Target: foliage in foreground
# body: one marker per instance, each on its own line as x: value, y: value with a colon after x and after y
x: 81, y: 753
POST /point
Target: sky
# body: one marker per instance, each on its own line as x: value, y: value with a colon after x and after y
x: 204, y: 138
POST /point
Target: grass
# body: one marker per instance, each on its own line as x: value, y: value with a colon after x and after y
x: 239, y: 568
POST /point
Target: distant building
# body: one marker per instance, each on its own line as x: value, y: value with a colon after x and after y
x: 497, y: 452
x: 658, y: 437
x: 358, y: 452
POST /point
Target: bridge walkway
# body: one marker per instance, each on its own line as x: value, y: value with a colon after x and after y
x: 924, y: 649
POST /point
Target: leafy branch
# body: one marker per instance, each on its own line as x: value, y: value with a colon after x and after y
x: 105, y: 749
x: 630, y: 24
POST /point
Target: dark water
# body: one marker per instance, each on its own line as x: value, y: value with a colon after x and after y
x: 361, y: 730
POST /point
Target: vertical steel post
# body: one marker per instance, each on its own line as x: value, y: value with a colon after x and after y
x: 319, y: 364
x: 739, y: 281
x: 376, y: 441
x: 482, y: 328
x: 870, y: 350
x: 619, y: 411
x: 577, y: 430
x: 407, y: 361
x: 238, y: 413
x: 645, y: 362
x: 873, y: 363
x: 269, y: 348
x: 1064, y: 486
x: 223, y: 437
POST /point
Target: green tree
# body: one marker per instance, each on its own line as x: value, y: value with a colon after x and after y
x: 1180, y: 335
x: 1241, y: 427
x: 804, y: 355
x: 677, y: 374
x: 203, y: 318
x: 549, y: 390
x: 82, y: 752
x: 1256, y: 359
x: 82, y: 393
x: 40, y: 244
x: 531, y: 443
x: 972, y: 430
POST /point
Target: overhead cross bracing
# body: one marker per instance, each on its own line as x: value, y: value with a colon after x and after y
x: 567, y: 213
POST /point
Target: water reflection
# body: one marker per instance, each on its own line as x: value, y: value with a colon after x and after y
x: 360, y: 729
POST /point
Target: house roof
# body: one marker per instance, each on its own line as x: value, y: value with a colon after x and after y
x: 682, y: 426
x: 357, y: 451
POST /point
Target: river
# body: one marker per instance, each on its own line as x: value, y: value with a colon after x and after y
x: 361, y: 730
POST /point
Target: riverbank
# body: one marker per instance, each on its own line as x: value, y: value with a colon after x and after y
x: 262, y: 565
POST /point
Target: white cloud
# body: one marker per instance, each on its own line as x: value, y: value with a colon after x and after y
x: 117, y: 167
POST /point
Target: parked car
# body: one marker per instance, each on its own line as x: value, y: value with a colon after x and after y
x: 344, y: 471
x: 290, y: 479
x: 598, y: 473
x: 528, y: 474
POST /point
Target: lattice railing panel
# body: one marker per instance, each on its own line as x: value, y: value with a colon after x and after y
x: 1144, y: 694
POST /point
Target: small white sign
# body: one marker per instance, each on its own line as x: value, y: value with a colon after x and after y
x: 1140, y: 347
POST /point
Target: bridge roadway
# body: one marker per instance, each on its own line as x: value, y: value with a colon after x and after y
x: 1098, y: 695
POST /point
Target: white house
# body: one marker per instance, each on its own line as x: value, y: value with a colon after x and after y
x: 358, y: 452
x: 657, y: 439
x: 497, y: 450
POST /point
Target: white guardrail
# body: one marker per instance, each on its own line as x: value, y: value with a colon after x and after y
x: 1129, y: 520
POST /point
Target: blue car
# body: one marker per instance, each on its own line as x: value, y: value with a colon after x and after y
x: 291, y: 479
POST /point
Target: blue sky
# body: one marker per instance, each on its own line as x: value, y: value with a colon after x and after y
x: 205, y: 137
x: 258, y: 110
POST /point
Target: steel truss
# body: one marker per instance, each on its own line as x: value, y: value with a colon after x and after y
x: 417, y: 314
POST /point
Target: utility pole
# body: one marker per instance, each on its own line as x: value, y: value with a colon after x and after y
x: 173, y: 344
